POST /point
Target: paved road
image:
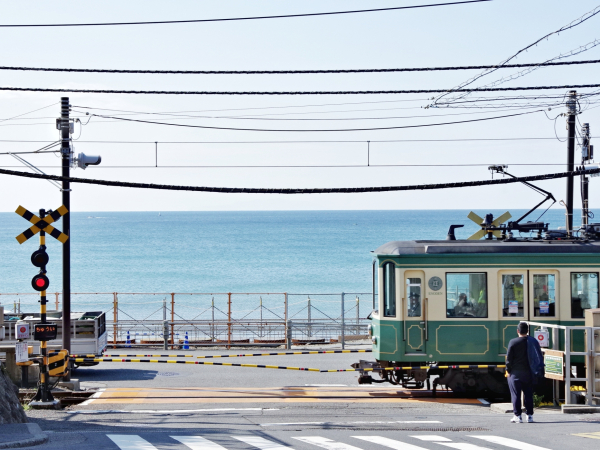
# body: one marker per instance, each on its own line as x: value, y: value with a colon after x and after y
x: 147, y: 406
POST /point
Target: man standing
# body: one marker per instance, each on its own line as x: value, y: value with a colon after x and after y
x: 520, y: 378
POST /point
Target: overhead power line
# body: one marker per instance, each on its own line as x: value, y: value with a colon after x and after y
x: 317, y: 130
x: 230, y: 19
x: 295, y: 72
x: 407, y: 91
x: 226, y: 190
x: 572, y: 24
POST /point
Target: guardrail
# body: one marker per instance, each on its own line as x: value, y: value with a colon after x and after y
x: 217, y: 318
x: 592, y: 363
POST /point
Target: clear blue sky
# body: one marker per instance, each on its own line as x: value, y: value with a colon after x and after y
x: 484, y: 33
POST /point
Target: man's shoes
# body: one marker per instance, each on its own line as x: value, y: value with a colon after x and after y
x: 518, y: 419
x: 530, y: 418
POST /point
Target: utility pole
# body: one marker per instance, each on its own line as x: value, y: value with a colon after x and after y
x: 571, y: 111
x: 65, y: 150
x: 587, y: 154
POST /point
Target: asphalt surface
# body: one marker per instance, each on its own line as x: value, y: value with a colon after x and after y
x: 298, y: 422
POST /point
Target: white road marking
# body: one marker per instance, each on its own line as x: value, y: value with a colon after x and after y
x: 326, y: 443
x: 130, y: 442
x: 432, y: 438
x: 197, y: 443
x: 463, y: 446
x: 262, y: 443
x: 361, y: 422
x: 164, y: 411
x: 93, y: 397
x: 391, y: 443
x: 513, y: 443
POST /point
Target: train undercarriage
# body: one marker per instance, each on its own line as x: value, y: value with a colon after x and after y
x: 464, y: 381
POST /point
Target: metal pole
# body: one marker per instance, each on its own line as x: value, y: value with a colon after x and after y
x: 357, y: 314
x: 591, y: 368
x: 56, y: 300
x: 213, y: 320
x: 288, y: 334
x: 555, y: 383
x: 309, y: 319
x: 46, y: 395
x: 165, y: 334
x: 571, y: 111
x: 342, y: 338
x: 228, y: 320
x: 115, y: 319
x: 567, y: 366
x: 65, y: 150
x: 172, y: 320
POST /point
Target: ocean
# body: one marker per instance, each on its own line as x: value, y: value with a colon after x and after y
x: 300, y: 252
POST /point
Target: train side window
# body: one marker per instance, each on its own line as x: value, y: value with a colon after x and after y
x: 413, y: 292
x: 584, y: 293
x: 544, y: 295
x: 466, y: 295
x: 389, y: 290
x: 512, y: 295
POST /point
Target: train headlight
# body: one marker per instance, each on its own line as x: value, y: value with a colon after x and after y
x: 370, y: 330
x: 374, y: 340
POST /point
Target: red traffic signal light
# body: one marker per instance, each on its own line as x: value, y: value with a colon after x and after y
x: 40, y: 258
x: 40, y: 282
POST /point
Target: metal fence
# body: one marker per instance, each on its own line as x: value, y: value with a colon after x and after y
x: 217, y: 318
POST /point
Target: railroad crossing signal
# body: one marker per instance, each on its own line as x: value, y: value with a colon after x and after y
x: 42, y: 224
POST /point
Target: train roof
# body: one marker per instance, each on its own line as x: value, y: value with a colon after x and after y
x: 398, y: 248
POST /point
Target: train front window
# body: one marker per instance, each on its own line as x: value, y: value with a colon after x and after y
x: 389, y: 290
x: 584, y: 293
x: 466, y: 295
x: 544, y: 295
x: 413, y: 293
x: 512, y: 295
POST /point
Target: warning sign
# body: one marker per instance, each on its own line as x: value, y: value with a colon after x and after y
x: 21, y: 352
x: 542, y: 338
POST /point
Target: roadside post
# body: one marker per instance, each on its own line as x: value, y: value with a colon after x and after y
x: 43, y: 331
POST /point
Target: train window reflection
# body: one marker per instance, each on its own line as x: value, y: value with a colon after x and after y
x: 413, y: 293
x: 584, y: 293
x: 466, y: 295
x: 389, y: 290
x: 512, y: 295
x: 544, y: 291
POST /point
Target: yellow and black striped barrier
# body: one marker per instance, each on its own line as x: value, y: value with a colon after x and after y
x: 262, y: 366
x: 371, y: 369
x: 205, y: 363
x: 308, y: 352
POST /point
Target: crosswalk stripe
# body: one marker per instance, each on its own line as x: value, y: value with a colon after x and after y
x: 391, y: 443
x: 513, y: 443
x: 262, y: 443
x: 130, y: 442
x: 432, y: 438
x: 197, y: 443
x: 463, y: 446
x: 326, y: 443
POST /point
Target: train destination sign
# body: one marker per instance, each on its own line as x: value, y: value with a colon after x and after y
x: 554, y: 361
x: 45, y: 332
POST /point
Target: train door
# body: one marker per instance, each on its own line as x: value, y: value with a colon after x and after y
x: 414, y: 313
x: 514, y: 302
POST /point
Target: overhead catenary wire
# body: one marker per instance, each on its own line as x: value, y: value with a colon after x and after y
x: 294, y: 71
x: 248, y: 93
x: 230, y: 19
x: 314, y: 130
x: 574, y: 23
x: 230, y: 190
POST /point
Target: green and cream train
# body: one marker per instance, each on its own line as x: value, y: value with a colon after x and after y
x: 458, y: 302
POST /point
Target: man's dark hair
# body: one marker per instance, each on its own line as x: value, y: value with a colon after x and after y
x: 523, y: 328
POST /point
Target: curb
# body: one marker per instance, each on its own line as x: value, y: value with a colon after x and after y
x: 39, y: 437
